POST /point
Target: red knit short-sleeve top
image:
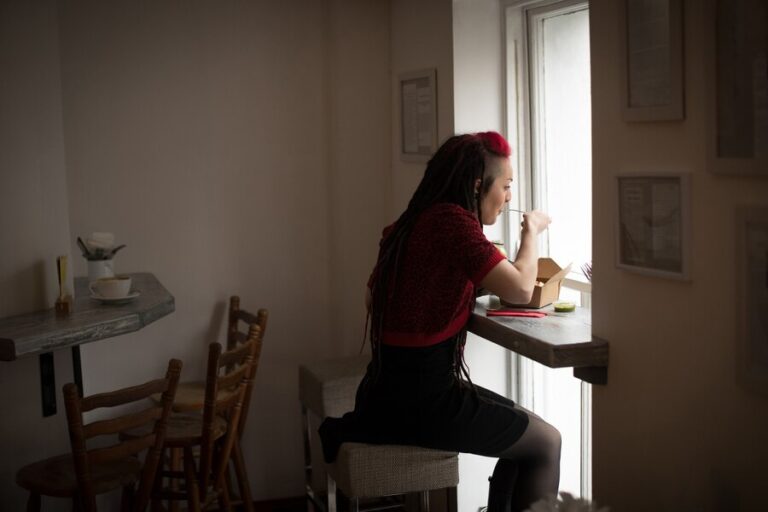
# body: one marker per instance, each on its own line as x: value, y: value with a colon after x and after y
x: 446, y: 255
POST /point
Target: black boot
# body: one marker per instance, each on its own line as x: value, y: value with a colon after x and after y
x: 499, y: 501
x: 501, y: 488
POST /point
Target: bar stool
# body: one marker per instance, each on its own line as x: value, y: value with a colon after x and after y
x: 327, y: 388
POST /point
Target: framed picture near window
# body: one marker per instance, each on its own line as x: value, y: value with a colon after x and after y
x: 418, y: 115
x: 752, y: 297
x: 652, y: 74
x: 738, y: 137
x: 653, y: 225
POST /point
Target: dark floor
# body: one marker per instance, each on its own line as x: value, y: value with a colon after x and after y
x: 301, y: 504
x: 298, y: 504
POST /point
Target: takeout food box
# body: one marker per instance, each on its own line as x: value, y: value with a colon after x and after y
x: 547, y: 290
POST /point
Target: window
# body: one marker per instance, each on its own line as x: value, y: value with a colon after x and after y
x: 549, y: 123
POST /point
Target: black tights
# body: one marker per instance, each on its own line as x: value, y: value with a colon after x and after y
x: 528, y: 470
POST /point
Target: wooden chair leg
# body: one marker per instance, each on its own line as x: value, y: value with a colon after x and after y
x: 242, y: 477
x: 177, y: 454
x: 225, y: 502
x: 155, y: 504
x: 126, y: 498
x: 33, y: 502
x: 193, y: 493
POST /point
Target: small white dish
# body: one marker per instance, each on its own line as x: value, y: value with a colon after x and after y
x: 119, y: 300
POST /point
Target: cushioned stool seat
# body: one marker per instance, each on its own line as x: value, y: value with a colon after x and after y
x: 327, y: 388
x: 368, y: 471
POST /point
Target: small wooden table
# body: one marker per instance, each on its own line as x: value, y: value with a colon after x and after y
x: 42, y: 332
x: 558, y: 340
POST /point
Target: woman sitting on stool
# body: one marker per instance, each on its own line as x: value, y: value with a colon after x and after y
x: 417, y: 389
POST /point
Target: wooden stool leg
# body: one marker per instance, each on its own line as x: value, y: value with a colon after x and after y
x: 33, y: 502
x: 453, y: 502
x: 331, y: 494
x: 242, y: 476
x: 424, y: 501
x: 193, y: 493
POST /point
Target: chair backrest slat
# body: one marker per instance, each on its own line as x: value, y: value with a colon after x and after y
x: 233, y: 378
x: 125, y: 422
x: 233, y: 355
x: 245, y: 316
x: 226, y: 402
x: 123, y: 396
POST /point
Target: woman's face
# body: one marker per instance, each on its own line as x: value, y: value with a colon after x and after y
x: 492, y: 201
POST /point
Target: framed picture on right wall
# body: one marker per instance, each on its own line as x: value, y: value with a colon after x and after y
x: 738, y: 91
x: 653, y: 227
x: 752, y: 297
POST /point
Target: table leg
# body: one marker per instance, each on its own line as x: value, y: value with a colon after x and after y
x: 48, y: 384
x: 77, y: 369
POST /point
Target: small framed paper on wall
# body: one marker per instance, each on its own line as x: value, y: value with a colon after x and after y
x: 418, y: 115
x: 752, y: 297
x: 652, y: 74
x: 653, y: 227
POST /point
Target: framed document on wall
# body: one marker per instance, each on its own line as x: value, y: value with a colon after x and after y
x: 652, y: 71
x: 418, y: 115
x: 653, y: 225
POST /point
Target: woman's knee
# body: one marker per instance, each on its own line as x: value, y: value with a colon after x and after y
x: 547, y: 437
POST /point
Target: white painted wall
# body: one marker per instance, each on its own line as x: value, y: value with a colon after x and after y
x: 421, y: 35
x: 672, y: 429
x: 478, y: 106
x: 236, y: 148
x: 34, y: 226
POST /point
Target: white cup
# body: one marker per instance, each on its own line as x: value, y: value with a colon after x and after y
x: 115, y: 287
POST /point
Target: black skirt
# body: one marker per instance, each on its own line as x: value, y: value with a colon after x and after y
x: 416, y: 399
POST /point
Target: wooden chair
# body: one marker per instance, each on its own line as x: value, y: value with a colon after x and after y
x: 214, y: 433
x: 87, y: 472
x: 191, y: 397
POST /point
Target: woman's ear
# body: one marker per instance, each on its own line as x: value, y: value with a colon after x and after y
x: 477, y: 186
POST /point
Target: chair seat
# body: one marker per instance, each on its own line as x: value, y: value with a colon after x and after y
x: 183, y: 429
x: 56, y: 476
x: 368, y: 470
x: 327, y: 388
x: 190, y: 396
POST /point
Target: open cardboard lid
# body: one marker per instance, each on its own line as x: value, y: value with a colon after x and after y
x: 549, y: 271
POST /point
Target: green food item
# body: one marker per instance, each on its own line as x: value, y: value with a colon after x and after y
x: 565, y: 307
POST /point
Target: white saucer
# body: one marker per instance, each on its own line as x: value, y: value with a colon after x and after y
x: 117, y: 300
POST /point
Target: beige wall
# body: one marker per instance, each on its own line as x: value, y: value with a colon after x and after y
x: 672, y: 429
x: 237, y: 147
x: 34, y: 226
x: 422, y: 35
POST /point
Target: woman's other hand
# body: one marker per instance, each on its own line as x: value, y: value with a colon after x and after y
x: 535, y: 221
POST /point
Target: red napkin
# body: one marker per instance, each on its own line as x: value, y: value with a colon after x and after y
x: 503, y: 312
